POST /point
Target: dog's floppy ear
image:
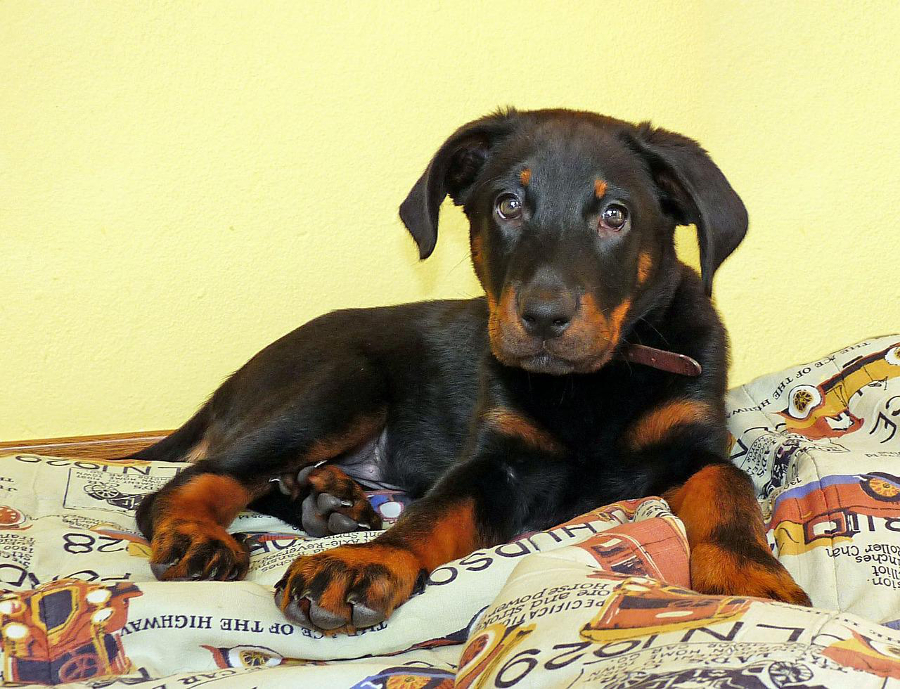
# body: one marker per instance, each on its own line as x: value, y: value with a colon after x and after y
x: 450, y: 173
x: 694, y: 190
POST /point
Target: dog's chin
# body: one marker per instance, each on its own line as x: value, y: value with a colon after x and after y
x: 549, y: 364
x: 545, y: 362
x: 545, y: 357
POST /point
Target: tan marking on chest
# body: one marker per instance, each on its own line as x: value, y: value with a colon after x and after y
x: 515, y: 425
x: 656, y: 425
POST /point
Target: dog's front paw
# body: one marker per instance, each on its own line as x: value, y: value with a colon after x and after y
x: 348, y: 588
x: 184, y: 549
x: 746, y: 569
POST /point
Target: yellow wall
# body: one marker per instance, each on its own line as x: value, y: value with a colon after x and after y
x: 181, y: 183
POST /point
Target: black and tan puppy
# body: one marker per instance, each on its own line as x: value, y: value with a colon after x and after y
x: 502, y: 414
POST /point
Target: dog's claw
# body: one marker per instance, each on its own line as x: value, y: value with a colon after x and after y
x: 364, y: 616
x: 295, y: 613
x: 304, y: 473
x: 159, y: 568
x: 186, y: 551
x: 325, y: 619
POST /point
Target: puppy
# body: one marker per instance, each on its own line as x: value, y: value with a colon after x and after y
x: 593, y: 370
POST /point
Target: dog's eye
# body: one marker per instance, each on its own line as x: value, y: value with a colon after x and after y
x: 614, y: 217
x: 508, y: 206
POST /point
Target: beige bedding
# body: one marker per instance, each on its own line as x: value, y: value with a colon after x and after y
x: 603, y: 600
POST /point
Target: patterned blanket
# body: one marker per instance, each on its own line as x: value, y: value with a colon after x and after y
x: 602, y: 600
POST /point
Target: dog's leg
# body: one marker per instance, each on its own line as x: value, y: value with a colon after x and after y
x: 479, y: 503
x: 186, y: 523
x: 725, y: 530
x: 186, y: 520
x: 356, y: 586
x: 685, y: 439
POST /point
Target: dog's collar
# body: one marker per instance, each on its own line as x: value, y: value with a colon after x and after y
x: 661, y: 359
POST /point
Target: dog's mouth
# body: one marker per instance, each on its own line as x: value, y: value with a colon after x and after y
x: 546, y: 363
x: 583, y: 347
x: 541, y: 358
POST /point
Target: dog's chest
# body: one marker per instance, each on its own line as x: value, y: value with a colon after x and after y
x: 589, y: 414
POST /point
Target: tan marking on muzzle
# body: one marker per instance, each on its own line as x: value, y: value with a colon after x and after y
x: 615, y: 321
x: 476, y: 248
x: 500, y: 313
x: 645, y: 265
x: 608, y: 328
x: 593, y: 332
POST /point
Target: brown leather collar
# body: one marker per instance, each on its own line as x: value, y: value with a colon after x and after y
x: 661, y: 359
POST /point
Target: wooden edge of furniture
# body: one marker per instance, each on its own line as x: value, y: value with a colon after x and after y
x: 109, y: 446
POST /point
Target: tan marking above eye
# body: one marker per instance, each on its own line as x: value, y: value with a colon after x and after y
x: 525, y: 176
x: 599, y: 188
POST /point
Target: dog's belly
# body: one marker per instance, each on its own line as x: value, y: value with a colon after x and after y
x: 366, y: 464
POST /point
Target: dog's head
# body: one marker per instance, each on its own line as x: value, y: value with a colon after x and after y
x: 572, y: 217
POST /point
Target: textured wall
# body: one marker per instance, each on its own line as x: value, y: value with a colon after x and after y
x: 181, y: 183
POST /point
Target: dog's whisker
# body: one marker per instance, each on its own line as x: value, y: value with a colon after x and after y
x: 458, y: 264
x: 627, y: 363
x: 661, y: 336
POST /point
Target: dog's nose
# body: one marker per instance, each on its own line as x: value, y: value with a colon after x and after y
x: 547, y: 315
